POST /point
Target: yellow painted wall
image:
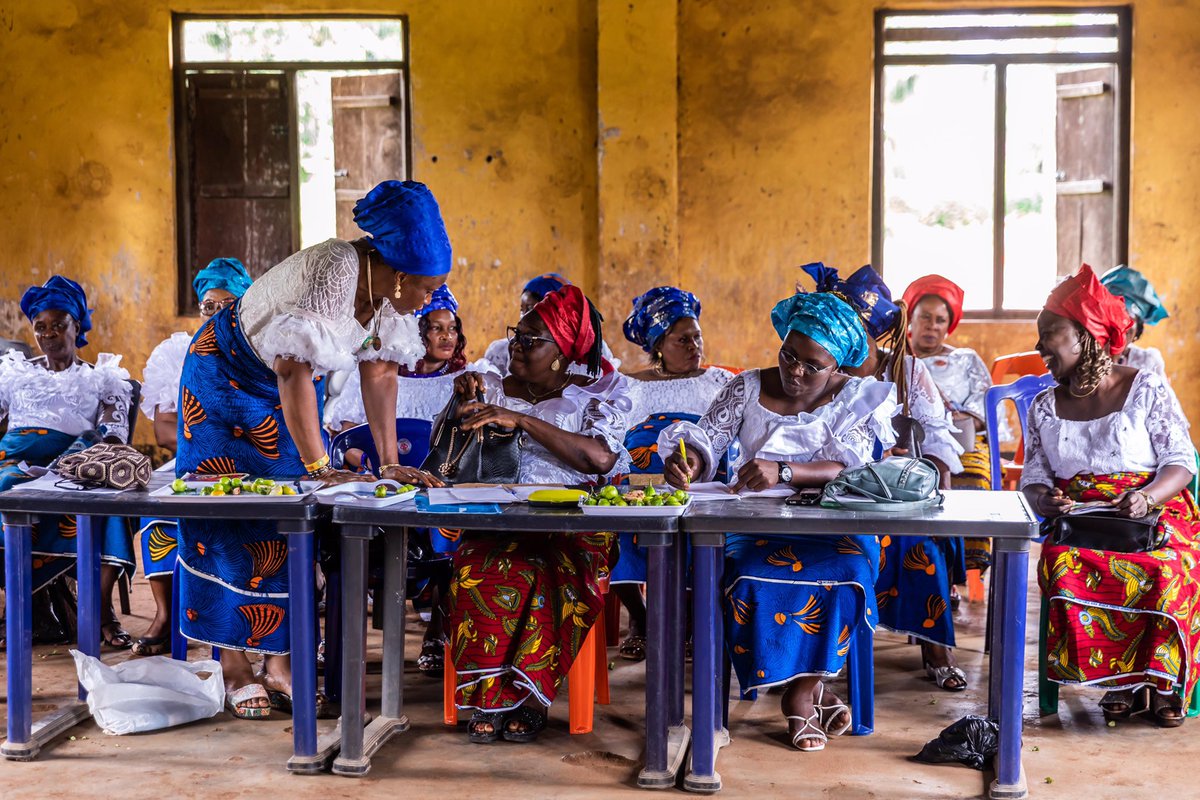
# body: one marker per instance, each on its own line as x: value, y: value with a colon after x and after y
x: 713, y: 143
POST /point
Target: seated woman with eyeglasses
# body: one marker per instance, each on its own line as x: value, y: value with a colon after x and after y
x: 219, y: 284
x: 1125, y: 621
x: 521, y: 604
x: 794, y: 603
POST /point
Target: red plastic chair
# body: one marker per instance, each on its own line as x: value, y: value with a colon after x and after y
x: 1005, y: 370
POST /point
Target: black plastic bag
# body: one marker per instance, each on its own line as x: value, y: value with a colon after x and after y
x: 972, y: 741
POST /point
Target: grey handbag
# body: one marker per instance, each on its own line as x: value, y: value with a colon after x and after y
x: 897, y: 483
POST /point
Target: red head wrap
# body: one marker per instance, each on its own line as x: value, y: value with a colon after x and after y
x: 1084, y: 299
x: 942, y: 288
x: 568, y: 316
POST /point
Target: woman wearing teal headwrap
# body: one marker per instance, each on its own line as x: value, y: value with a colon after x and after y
x: 1146, y: 308
x: 219, y: 284
x: 794, y: 603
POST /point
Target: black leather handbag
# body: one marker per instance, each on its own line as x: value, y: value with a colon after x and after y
x: 490, y: 454
x: 1105, y: 531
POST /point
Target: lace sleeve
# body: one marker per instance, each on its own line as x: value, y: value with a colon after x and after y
x: 926, y: 406
x: 1040, y: 420
x: 10, y: 363
x: 979, y: 380
x: 717, y: 430
x: 1166, y: 424
x: 606, y: 421
x: 401, y: 337
x: 114, y: 392
x: 160, y: 378
x: 497, y: 355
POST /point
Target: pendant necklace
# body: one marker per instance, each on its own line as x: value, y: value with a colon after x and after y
x: 372, y: 340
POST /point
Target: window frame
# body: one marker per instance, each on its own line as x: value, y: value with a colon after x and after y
x: 1122, y: 59
x: 186, y: 303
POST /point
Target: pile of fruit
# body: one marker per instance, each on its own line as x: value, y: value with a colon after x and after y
x: 385, y: 490
x: 610, y: 496
x: 235, y: 486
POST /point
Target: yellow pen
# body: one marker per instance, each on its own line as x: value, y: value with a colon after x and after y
x: 683, y: 453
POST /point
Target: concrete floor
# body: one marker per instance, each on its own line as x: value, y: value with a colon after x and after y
x: 1072, y: 755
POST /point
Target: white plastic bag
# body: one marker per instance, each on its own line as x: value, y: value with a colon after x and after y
x: 146, y: 694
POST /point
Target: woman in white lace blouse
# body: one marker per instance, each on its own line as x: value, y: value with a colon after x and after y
x: 250, y: 402
x: 54, y: 404
x: 1125, y: 621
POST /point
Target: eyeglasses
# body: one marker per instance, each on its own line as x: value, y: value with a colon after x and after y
x: 525, y: 341
x: 210, y: 307
x: 806, y: 369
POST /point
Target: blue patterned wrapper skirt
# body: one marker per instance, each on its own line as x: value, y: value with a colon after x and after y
x: 233, y: 574
x: 913, y: 588
x: 794, y: 604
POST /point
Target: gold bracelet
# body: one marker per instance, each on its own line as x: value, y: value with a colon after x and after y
x: 317, y: 465
x: 388, y: 466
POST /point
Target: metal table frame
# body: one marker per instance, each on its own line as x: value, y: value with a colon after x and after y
x: 1003, y: 516
x: 20, y: 509
x: 667, y: 737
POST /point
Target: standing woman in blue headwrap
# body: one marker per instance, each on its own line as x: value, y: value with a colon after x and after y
x: 793, y: 603
x: 677, y: 387
x: 219, y: 284
x: 1146, y: 308
x: 915, y: 572
x: 249, y: 402
x: 55, y: 403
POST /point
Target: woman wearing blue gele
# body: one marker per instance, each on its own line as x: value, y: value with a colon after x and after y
x: 250, y: 402
x: 1146, y: 308
x: 794, y: 603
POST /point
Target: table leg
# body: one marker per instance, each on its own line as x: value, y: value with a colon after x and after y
x: 333, y: 634
x: 18, y: 621
x: 355, y: 542
x: 306, y: 759
x: 707, y: 551
x: 1010, y: 778
x: 178, y: 640
x: 87, y: 576
x: 677, y: 629
x: 665, y: 745
x: 395, y: 578
x: 995, y: 655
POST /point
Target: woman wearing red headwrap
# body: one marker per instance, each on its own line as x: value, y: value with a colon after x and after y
x: 521, y: 604
x: 935, y: 309
x: 1111, y: 433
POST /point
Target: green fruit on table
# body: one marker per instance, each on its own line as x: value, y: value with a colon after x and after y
x: 650, y: 491
x: 178, y: 486
x: 381, y: 491
x: 620, y: 502
x: 671, y: 501
x: 609, y: 492
x: 206, y: 491
x: 655, y: 501
x: 680, y: 495
x: 604, y: 501
x: 591, y: 501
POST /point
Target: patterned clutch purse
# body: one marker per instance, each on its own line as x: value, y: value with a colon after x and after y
x: 111, y: 466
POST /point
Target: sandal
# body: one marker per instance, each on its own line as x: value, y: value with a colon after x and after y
x: 475, y: 730
x: 811, y: 729
x: 534, y: 724
x: 282, y: 702
x: 1117, y: 705
x: 432, y: 661
x: 942, y: 676
x: 828, y: 713
x: 633, y: 648
x: 1168, y: 710
x: 114, y: 636
x: 250, y: 691
x: 152, y: 645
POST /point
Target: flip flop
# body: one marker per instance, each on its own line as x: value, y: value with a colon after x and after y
x: 431, y: 661
x: 119, y: 639
x: 633, y: 648
x: 152, y: 645
x: 828, y: 713
x: 811, y: 729
x: 943, y: 675
x: 282, y: 702
x: 250, y: 691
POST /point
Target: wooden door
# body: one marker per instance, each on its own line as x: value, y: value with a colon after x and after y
x: 1085, y: 136
x: 240, y: 170
x: 369, y: 140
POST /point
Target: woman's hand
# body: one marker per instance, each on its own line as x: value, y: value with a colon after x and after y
x: 1131, y: 504
x: 412, y: 476
x: 476, y: 415
x: 335, y: 477
x: 469, y: 385
x: 1053, y: 503
x: 757, y: 475
x: 679, y: 471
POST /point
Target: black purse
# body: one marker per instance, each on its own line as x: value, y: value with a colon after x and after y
x: 489, y: 454
x: 1106, y: 531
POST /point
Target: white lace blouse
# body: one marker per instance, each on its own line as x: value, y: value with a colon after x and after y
x: 679, y: 395
x: 303, y: 308
x: 926, y: 406
x: 598, y: 410
x: 962, y: 378
x: 416, y: 398
x: 160, y: 379
x: 843, y: 430
x: 77, y: 399
x: 1150, y: 432
x: 1146, y: 358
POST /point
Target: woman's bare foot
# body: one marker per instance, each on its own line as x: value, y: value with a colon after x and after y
x: 942, y: 666
x: 238, y: 672
x: 797, y: 706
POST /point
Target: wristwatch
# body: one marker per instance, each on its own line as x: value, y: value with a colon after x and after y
x: 785, y: 472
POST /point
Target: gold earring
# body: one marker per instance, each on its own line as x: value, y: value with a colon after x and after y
x: 399, y: 290
x: 557, y: 365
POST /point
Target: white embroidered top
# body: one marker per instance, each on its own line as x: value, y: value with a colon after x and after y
x: 1148, y: 433
x: 679, y: 395
x: 78, y: 399
x: 1147, y: 358
x: 599, y: 410
x: 416, y: 398
x: 843, y: 430
x: 160, y: 379
x: 303, y: 308
x: 497, y: 355
x: 962, y: 378
x: 926, y: 406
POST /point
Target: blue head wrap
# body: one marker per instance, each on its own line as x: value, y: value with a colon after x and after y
x: 406, y: 227
x: 62, y: 294
x: 1140, y: 298
x: 827, y: 320
x: 656, y: 311
x: 222, y: 273
x: 442, y: 298
x: 543, y: 285
x: 864, y: 290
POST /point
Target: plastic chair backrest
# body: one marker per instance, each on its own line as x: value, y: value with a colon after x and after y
x: 412, y: 439
x: 1021, y: 393
x: 135, y: 399
x: 1018, y: 364
x: 642, y: 443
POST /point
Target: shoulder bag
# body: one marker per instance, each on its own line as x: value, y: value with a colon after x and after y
x: 490, y: 454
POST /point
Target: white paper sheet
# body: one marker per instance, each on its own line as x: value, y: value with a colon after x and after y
x: 715, y: 491
x: 51, y: 482
x: 475, y: 494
